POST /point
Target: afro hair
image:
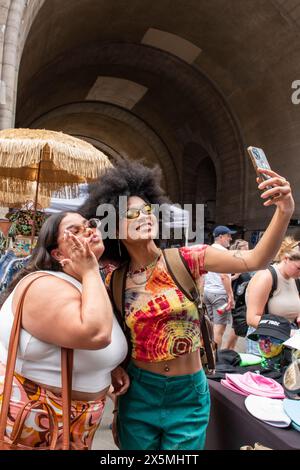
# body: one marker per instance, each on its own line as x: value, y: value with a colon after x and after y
x: 127, y: 178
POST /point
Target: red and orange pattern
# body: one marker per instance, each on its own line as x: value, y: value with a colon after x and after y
x: 164, y: 324
x: 85, y: 415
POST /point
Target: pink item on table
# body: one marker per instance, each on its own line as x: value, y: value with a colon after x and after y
x: 253, y: 384
x: 232, y: 387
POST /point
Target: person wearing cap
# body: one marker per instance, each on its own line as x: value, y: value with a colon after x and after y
x: 218, y: 291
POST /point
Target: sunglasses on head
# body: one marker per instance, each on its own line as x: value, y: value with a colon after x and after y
x: 134, y: 212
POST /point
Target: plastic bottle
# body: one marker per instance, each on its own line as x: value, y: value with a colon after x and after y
x: 224, y: 308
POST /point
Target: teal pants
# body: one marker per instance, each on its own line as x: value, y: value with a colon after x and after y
x: 163, y: 413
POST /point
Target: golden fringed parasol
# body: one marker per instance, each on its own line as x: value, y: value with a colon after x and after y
x: 15, y: 199
x: 55, y: 161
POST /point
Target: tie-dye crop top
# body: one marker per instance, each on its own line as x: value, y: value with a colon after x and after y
x: 163, y: 323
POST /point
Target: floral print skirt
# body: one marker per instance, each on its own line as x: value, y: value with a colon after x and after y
x: 85, y: 415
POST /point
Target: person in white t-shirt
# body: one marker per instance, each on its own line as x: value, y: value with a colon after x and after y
x: 218, y: 291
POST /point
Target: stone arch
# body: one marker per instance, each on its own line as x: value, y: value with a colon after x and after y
x: 216, y: 128
x: 211, y: 107
x: 71, y: 119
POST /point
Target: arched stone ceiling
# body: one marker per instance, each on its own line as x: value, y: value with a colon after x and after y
x: 223, y: 80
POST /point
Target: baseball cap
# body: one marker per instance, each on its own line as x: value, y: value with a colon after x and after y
x: 272, y: 325
x: 292, y: 409
x: 253, y: 384
x: 294, y: 341
x: 222, y: 230
x: 269, y: 410
x: 291, y: 380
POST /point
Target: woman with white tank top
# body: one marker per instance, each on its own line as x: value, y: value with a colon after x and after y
x: 285, y: 300
x: 69, y: 307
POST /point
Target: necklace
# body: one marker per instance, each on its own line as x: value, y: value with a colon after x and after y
x: 143, y: 270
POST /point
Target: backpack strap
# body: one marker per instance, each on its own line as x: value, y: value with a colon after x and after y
x: 180, y: 273
x: 117, y: 291
x: 274, y: 286
x: 274, y: 281
x: 184, y: 280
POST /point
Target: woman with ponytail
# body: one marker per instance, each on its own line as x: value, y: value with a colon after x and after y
x: 285, y: 301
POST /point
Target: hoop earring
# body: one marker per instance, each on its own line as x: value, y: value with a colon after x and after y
x: 119, y: 247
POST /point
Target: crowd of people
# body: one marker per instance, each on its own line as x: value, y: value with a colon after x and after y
x: 148, y: 351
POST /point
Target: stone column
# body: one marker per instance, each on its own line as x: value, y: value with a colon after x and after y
x: 11, y: 11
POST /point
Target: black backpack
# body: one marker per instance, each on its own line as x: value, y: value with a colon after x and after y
x: 239, y: 323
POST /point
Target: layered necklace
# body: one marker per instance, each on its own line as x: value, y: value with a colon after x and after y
x: 143, y: 274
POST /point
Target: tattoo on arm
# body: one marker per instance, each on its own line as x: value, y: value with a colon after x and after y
x: 240, y: 255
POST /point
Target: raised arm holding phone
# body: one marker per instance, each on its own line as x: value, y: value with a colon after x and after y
x: 165, y: 335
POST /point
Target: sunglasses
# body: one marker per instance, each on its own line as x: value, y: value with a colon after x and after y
x: 135, y: 212
x: 80, y: 229
x: 270, y: 339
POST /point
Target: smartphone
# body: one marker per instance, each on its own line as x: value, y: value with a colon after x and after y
x: 259, y: 160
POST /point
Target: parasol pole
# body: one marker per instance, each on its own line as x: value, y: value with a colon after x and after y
x: 36, y: 202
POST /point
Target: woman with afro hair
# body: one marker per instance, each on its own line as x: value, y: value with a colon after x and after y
x: 167, y: 405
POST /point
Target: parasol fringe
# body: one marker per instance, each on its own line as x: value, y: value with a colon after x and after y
x: 73, y: 155
x: 14, y: 189
x: 14, y: 200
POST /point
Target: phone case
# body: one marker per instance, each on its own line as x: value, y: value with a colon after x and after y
x: 259, y: 160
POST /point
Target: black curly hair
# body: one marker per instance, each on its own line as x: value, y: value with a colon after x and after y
x: 127, y: 178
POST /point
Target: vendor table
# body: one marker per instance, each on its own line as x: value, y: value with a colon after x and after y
x: 232, y: 426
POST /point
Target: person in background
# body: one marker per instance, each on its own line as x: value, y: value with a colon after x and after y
x: 285, y: 301
x: 218, y: 291
x: 239, y: 284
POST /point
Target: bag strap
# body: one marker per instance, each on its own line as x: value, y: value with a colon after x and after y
x: 117, y: 290
x: 66, y: 385
x: 181, y: 274
x: 21, y: 418
x: 273, y: 288
x: 183, y: 278
x: 10, y: 368
x: 274, y: 281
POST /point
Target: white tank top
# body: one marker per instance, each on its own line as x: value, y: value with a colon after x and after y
x: 213, y: 281
x: 41, y: 362
x: 285, y: 301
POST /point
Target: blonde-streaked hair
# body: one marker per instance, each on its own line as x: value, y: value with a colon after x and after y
x: 290, y: 248
x: 237, y: 244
